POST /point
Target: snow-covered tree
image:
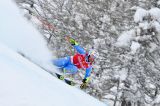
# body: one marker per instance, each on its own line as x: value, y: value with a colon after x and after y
x: 143, y: 65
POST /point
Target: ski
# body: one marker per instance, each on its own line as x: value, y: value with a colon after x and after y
x: 67, y: 81
x: 61, y: 77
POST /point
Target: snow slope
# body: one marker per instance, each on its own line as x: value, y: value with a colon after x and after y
x: 21, y: 36
x: 22, y: 82
x: 25, y: 84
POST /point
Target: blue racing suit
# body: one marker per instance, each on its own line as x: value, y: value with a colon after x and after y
x: 67, y: 63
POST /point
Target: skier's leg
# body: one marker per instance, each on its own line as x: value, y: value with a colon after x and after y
x: 61, y: 62
x: 71, y: 69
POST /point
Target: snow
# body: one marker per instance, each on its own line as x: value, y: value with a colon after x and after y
x: 156, y: 25
x: 157, y: 100
x: 153, y: 47
x: 134, y: 47
x: 25, y: 84
x: 158, y: 2
x: 134, y: 8
x: 78, y: 19
x: 105, y: 18
x: 145, y: 19
x: 140, y: 14
x: 125, y: 39
x: 22, y: 82
x: 143, y: 25
x: 155, y: 13
x: 121, y: 75
x: 15, y: 33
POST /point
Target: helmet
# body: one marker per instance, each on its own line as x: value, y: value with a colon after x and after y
x: 93, y: 53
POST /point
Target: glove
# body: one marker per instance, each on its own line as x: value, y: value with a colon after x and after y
x: 85, y: 83
x: 73, y: 42
x: 86, y: 80
x: 83, y: 86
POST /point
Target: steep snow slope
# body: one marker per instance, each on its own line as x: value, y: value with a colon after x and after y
x: 25, y: 84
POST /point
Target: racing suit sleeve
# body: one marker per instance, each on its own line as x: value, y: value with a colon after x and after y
x: 79, y: 49
x: 88, y: 72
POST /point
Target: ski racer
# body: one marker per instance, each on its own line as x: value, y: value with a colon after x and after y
x: 81, y: 60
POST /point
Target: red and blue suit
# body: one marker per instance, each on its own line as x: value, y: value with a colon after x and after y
x: 72, y: 63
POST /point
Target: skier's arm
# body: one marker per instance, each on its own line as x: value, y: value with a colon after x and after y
x: 87, y: 74
x: 78, y: 48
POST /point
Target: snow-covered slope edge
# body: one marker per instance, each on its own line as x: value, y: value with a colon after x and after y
x: 25, y: 84
x: 21, y: 36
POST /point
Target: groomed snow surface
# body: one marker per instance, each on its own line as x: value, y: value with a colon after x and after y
x: 22, y: 82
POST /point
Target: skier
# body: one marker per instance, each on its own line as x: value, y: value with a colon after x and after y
x: 81, y: 59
